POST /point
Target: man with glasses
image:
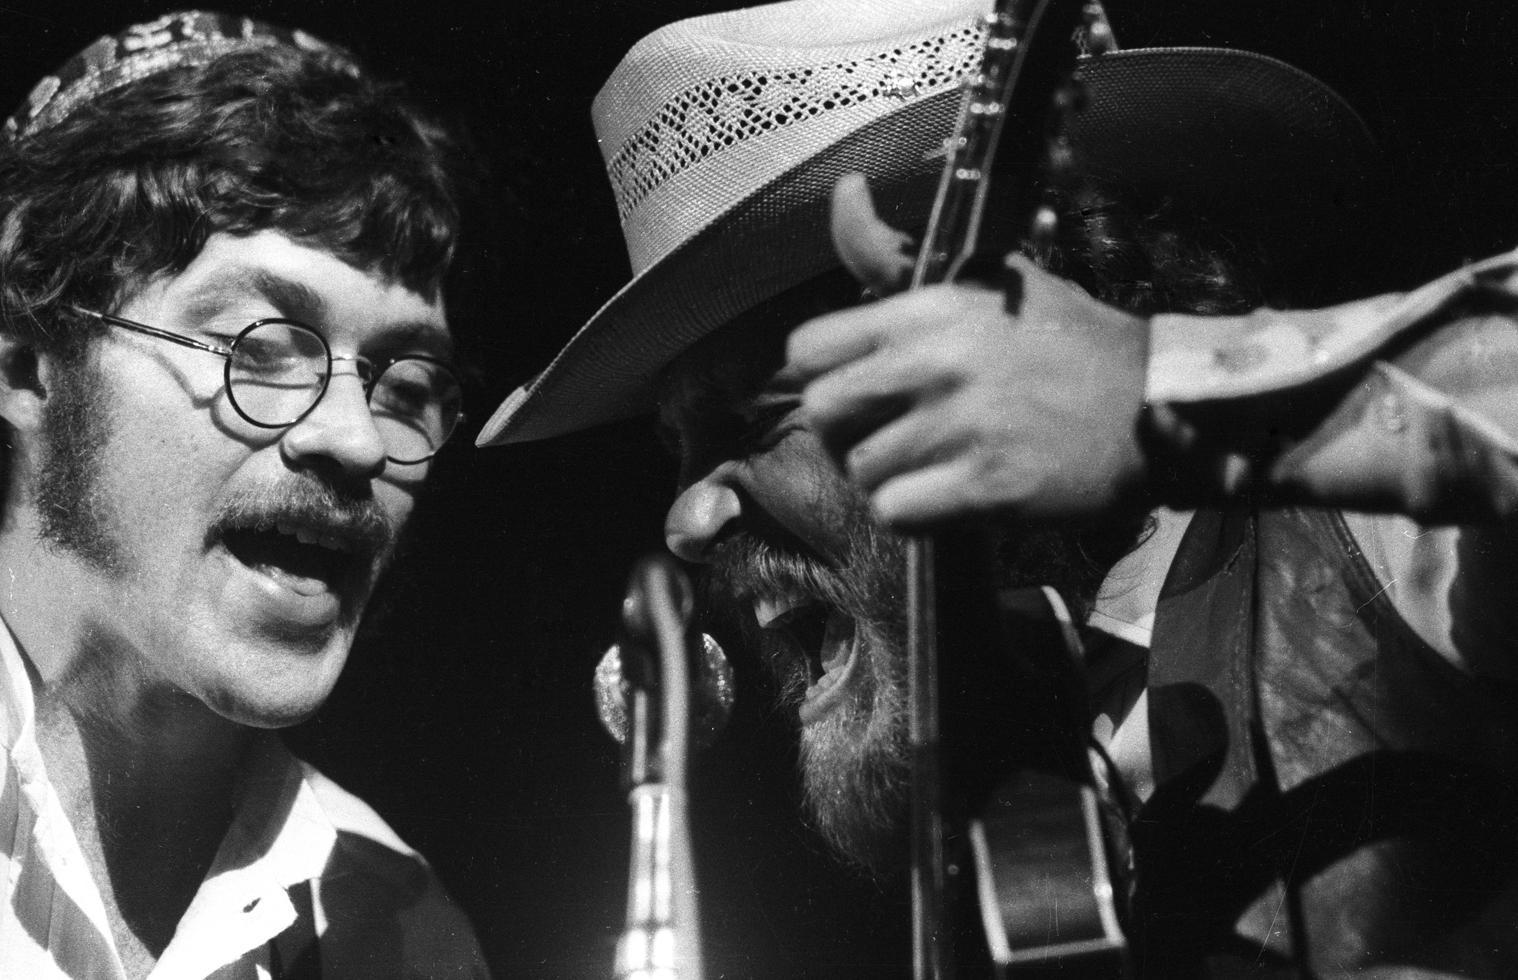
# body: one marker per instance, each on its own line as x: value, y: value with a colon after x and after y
x: 225, y: 366
x: 277, y: 371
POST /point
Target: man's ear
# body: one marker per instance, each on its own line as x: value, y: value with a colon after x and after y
x: 23, y: 382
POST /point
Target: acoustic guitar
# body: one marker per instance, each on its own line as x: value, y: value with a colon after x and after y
x: 1004, y: 779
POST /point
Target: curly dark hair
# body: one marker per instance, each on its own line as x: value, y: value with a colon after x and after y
x: 130, y: 186
x: 1149, y: 254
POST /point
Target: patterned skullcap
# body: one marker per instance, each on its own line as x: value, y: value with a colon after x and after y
x: 192, y: 37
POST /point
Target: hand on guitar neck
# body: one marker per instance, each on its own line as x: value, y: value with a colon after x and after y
x: 946, y: 407
x: 942, y: 405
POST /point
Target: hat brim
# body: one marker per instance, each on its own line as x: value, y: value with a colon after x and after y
x: 1209, y: 123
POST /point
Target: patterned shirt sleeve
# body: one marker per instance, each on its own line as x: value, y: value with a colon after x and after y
x: 1405, y: 403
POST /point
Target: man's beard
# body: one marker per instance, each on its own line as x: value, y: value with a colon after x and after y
x: 855, y: 761
x: 856, y: 765
x: 75, y: 427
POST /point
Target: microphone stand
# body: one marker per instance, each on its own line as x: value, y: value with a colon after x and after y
x: 662, y: 938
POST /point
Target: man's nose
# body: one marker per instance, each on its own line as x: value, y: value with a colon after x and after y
x: 340, y: 430
x: 696, y: 519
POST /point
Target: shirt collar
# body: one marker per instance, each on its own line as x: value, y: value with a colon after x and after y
x: 18, y: 708
x: 1126, y: 602
x: 280, y: 823
x: 280, y: 837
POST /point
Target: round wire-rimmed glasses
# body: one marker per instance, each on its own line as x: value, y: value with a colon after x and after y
x: 277, y: 371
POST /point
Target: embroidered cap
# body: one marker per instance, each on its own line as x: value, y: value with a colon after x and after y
x: 186, y: 38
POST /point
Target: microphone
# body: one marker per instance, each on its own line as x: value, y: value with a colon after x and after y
x: 711, y: 703
x: 644, y: 692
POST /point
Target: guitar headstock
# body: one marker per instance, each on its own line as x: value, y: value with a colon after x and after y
x: 1061, y: 168
x: 1010, y: 152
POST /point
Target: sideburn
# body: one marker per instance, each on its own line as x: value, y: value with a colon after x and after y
x: 76, y: 424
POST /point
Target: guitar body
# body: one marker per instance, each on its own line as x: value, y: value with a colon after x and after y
x: 1043, y: 881
x: 1020, y: 811
x: 1045, y: 894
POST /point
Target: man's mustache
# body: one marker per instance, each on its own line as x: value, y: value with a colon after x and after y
x: 359, y: 521
x: 745, y: 565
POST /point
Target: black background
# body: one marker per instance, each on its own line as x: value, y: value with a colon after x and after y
x: 465, y: 715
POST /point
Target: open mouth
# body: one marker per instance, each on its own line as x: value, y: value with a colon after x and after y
x: 306, y: 559
x: 823, y: 637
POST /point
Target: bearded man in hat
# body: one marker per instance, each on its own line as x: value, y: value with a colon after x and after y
x: 1315, y: 763
x: 227, y: 365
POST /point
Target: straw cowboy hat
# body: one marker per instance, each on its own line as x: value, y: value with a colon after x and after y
x: 724, y: 134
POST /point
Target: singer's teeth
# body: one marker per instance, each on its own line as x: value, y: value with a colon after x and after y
x: 801, y: 622
x: 769, y: 608
x: 306, y: 535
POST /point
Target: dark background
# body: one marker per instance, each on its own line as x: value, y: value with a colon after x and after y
x: 465, y: 716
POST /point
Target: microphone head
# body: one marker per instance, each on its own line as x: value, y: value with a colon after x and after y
x: 655, y: 575
x: 712, y: 697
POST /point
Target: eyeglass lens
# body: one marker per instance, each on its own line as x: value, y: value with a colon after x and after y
x: 278, y: 371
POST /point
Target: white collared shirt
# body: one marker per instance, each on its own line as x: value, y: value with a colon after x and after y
x: 1124, y: 608
x: 374, y: 906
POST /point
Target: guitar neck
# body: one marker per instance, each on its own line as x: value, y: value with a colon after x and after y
x: 1006, y: 148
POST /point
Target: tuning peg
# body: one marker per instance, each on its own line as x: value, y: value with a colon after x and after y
x: 1099, y: 38
x: 1045, y: 225
x: 1071, y: 98
x: 1060, y: 165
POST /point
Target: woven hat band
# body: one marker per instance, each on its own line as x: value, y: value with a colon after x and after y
x: 739, y: 94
